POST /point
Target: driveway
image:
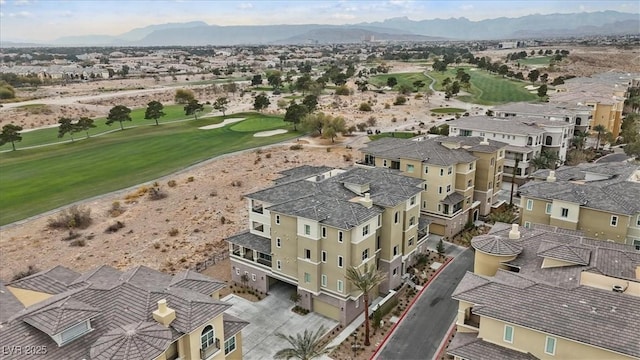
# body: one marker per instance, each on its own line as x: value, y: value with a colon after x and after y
x: 421, y: 331
x: 272, y: 314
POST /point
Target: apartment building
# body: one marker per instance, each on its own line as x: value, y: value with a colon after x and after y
x: 601, y: 200
x: 578, y: 115
x: 138, y: 314
x: 317, y: 222
x: 548, y: 293
x: 526, y: 137
x: 462, y: 175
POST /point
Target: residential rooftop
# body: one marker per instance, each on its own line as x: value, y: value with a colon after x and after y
x: 518, y: 125
x: 542, y: 109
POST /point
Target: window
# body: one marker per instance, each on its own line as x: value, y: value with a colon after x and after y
x: 425, y: 186
x: 412, y: 221
x: 527, y: 224
x: 396, y: 217
x: 450, y: 170
x: 379, y: 220
x: 550, y: 346
x: 323, y: 280
x: 395, y: 271
x: 307, y: 254
x: 439, y: 189
x: 441, y: 172
x: 340, y: 289
x: 448, y: 189
x: 74, y: 332
x: 230, y: 345
x: 638, y: 221
x: 365, y: 230
x: 395, y: 250
x: 412, y: 201
x: 469, y: 183
x: 365, y: 254
x: 307, y: 277
x: 340, y: 262
x: 490, y: 185
x: 470, y: 166
x: 324, y: 256
x: 508, y: 334
x: 278, y: 264
x: 378, y: 242
x: 384, y: 163
x: 207, y: 338
x: 636, y: 244
x: 340, y: 236
x: 278, y: 242
x: 548, y: 209
x: 307, y: 229
x: 253, y: 277
x: 277, y: 222
x: 614, y: 220
x: 324, y: 232
x: 426, y: 169
x: 529, y: 204
x: 411, y: 242
x: 409, y: 168
x: 564, y: 212
x: 493, y: 161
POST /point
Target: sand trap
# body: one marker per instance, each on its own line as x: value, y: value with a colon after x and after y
x: 270, y: 133
x: 224, y: 123
x: 531, y: 87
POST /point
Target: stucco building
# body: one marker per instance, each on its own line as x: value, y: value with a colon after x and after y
x: 548, y: 293
x: 316, y: 222
x: 138, y: 314
x: 462, y: 175
x: 600, y: 200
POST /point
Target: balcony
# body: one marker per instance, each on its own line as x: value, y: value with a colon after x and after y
x: 210, y: 350
x: 472, y: 321
x: 264, y: 259
x: 258, y: 209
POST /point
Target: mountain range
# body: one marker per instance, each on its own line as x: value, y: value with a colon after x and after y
x: 198, y: 33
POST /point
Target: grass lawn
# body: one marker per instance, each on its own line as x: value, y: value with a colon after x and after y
x: 36, y: 180
x: 50, y: 135
x: 397, y: 134
x: 488, y: 89
x: 542, y: 60
x: 447, y: 110
x: 403, y: 78
x: 261, y: 123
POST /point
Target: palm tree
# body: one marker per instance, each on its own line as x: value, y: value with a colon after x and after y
x: 578, y: 141
x: 365, y: 281
x: 600, y: 129
x: 304, y: 347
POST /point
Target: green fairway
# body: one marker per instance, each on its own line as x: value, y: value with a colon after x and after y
x: 35, y: 180
x: 486, y: 88
x: 403, y: 79
x: 397, y: 134
x: 447, y: 110
x: 262, y: 123
x: 542, y: 60
x: 50, y: 135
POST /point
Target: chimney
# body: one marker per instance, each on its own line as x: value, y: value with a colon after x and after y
x: 514, y: 234
x: 366, y: 200
x: 552, y: 176
x: 484, y: 141
x: 164, y: 315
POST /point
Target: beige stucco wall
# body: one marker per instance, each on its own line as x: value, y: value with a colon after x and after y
x: 487, y: 264
x: 288, y: 252
x: 606, y: 283
x: 596, y: 224
x: 527, y: 340
x: 189, y: 344
x: 237, y: 353
x: 28, y: 297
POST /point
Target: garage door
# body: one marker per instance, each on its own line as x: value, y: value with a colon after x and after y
x: 325, y: 309
x: 437, y: 229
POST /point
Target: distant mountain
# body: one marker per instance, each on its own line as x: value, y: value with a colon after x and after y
x: 140, y: 33
x: 507, y: 28
x: 351, y: 35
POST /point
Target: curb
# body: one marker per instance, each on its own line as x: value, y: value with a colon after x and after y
x: 443, y: 344
x: 386, y: 338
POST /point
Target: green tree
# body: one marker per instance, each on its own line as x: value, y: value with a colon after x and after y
x: 440, y: 248
x: 303, y: 83
x: 400, y: 100
x: 630, y: 129
x: 193, y: 108
x: 533, y: 75
x: 315, y: 122
x: 261, y: 102
x: 332, y: 127
x: 633, y: 149
x: 66, y: 127
x: 118, y: 113
x: 154, y: 111
x: 183, y: 96
x: 84, y: 124
x: 542, y: 91
x: 10, y: 133
x: 303, y: 347
x: 365, y: 281
x: 295, y: 113
x: 275, y: 80
x: 392, y: 81
x: 221, y: 104
x: 599, y: 129
x: 546, y: 160
x: 311, y: 102
x: 256, y: 80
x: 578, y: 141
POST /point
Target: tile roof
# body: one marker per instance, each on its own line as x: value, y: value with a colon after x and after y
x: 474, y: 143
x: 429, y: 151
x: 469, y: 346
x: 251, y: 241
x: 453, y: 198
x: 511, y: 125
x: 301, y: 172
x: 53, y: 281
x: 114, y: 300
x: 496, y: 245
x: 9, y: 304
x: 570, y: 253
x: 232, y: 325
x: 569, y: 313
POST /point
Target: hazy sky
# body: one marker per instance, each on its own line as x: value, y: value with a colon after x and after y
x: 49, y: 19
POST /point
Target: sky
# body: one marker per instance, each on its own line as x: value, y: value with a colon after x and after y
x: 41, y: 20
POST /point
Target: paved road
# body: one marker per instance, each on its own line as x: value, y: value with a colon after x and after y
x: 425, y: 325
x: 612, y: 158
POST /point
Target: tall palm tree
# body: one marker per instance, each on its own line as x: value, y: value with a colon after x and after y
x: 304, y: 347
x: 600, y: 129
x: 365, y: 281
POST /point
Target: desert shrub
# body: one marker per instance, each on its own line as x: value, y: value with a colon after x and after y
x: 114, y: 227
x: 155, y: 193
x: 365, y: 107
x: 295, y: 147
x: 394, y: 119
x: 268, y: 155
x: 30, y: 270
x: 190, y: 179
x: 138, y: 193
x: 116, y: 209
x: 343, y: 90
x: 173, y: 232
x: 236, y: 183
x: 371, y: 121
x: 72, y: 235
x: 418, y: 96
x: 75, y: 217
x: 400, y: 100
x: 387, y: 106
x: 347, y: 157
x: 351, y: 129
x: 361, y: 126
x: 78, y: 242
x: 156, y: 245
x: 223, y: 220
x: 213, y: 193
x: 172, y: 183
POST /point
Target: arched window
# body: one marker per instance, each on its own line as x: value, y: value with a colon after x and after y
x: 530, y: 141
x: 578, y: 121
x: 548, y: 140
x: 208, y: 337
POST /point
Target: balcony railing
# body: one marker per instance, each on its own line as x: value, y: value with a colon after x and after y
x: 473, y: 321
x: 258, y: 209
x: 210, y: 350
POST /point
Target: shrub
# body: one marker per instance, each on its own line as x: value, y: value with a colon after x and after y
x: 75, y: 217
x: 295, y: 147
x: 343, y: 90
x: 30, y: 270
x: 173, y: 232
x: 347, y: 157
x: 155, y: 193
x: 371, y: 121
x: 400, y: 100
x: 236, y: 183
x: 172, y: 183
x: 351, y: 129
x: 116, y: 209
x: 223, y: 220
x: 268, y: 155
x: 213, y: 193
x: 114, y: 227
x: 387, y: 106
x: 72, y: 235
x: 190, y: 179
x: 365, y: 107
x: 156, y: 245
x: 361, y: 126
x: 78, y: 242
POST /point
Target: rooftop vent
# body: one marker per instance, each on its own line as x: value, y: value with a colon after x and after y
x: 164, y: 315
x: 617, y: 288
x: 484, y: 141
x: 514, y: 234
x: 552, y: 176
